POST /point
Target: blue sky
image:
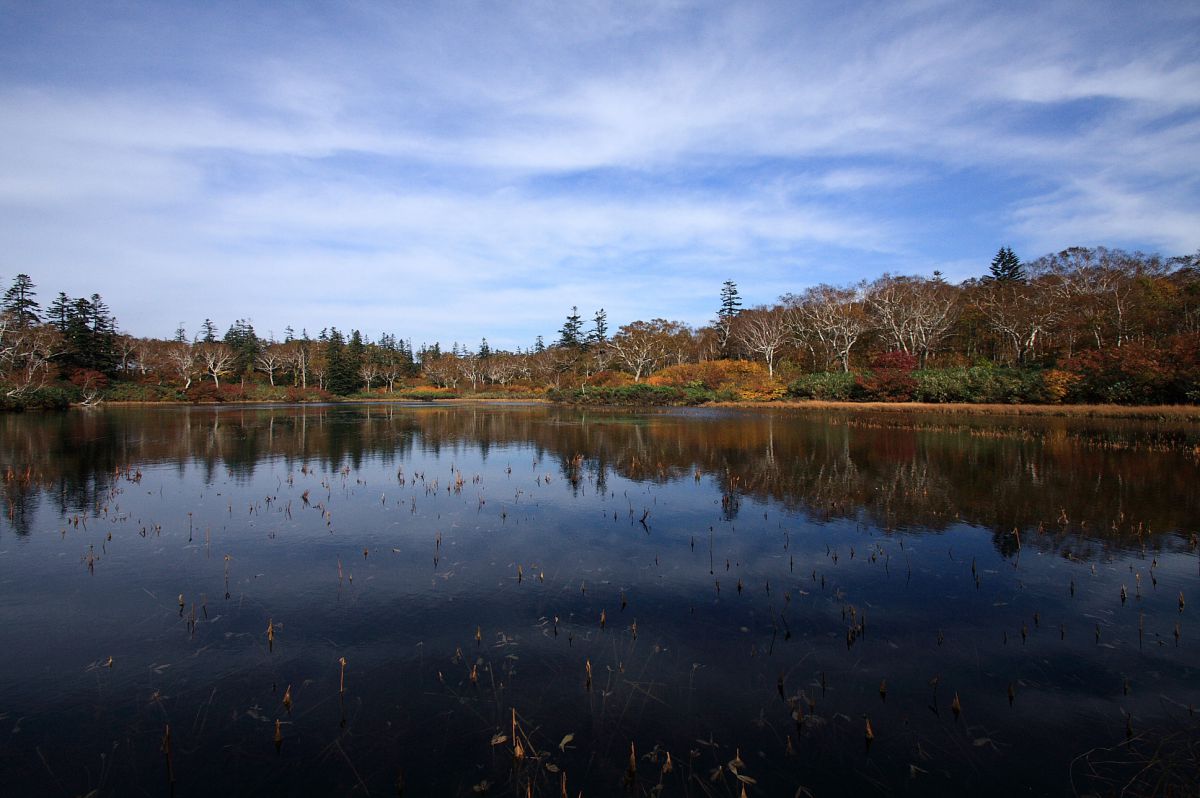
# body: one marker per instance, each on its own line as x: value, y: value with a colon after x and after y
x: 452, y: 170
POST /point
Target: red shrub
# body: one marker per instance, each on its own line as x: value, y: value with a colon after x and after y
x: 890, y: 378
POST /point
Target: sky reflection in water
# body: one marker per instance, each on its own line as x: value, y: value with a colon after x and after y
x: 769, y: 583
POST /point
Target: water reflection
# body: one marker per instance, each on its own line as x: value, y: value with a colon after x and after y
x: 1006, y: 609
x: 1119, y: 482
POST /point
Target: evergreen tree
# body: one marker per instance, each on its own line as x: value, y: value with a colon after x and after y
x: 245, y: 344
x: 731, y: 301
x: 411, y: 367
x: 104, y: 335
x: 289, y: 334
x: 59, y: 311
x: 485, y: 351
x: 180, y: 334
x: 429, y: 353
x: 599, y: 333
x: 19, y: 302
x: 539, y: 345
x: 78, y: 334
x: 355, y: 356
x: 342, y: 377
x: 1006, y: 266
x: 571, y: 334
x: 208, y: 332
x: 731, y: 305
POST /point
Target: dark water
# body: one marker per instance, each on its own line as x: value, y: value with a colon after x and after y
x: 769, y: 584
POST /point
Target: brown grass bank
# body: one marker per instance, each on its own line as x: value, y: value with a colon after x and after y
x: 1183, y: 413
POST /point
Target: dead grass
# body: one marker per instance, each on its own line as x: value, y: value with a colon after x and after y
x: 1187, y: 413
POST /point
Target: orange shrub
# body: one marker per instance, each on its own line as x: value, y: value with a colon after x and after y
x: 732, y: 379
x: 609, y: 379
x: 1058, y: 384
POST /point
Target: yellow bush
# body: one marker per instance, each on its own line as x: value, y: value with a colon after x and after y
x: 609, y: 379
x: 739, y: 379
x: 1058, y: 383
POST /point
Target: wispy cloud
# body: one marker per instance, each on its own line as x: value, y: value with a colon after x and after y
x: 471, y: 169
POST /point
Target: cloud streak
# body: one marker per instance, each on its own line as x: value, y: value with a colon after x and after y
x: 475, y: 170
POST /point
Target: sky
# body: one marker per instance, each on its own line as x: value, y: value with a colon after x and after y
x: 450, y: 171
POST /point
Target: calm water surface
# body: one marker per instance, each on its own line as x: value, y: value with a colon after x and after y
x: 1006, y: 610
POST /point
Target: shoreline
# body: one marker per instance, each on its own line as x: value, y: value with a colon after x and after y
x: 1150, y: 412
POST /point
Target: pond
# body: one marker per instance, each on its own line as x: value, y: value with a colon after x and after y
x: 534, y: 600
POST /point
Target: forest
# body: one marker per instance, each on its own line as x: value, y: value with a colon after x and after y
x: 1084, y: 325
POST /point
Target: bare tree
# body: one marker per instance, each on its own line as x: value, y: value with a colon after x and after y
x: 125, y: 347
x: 643, y: 345
x: 270, y: 359
x: 26, y: 354
x: 1020, y: 313
x: 549, y: 365
x: 368, y: 371
x: 1101, y: 287
x: 217, y: 358
x: 443, y: 371
x: 149, y: 355
x: 912, y: 313
x: 296, y: 356
x: 181, y: 359
x: 502, y: 368
x: 318, y: 365
x: 391, y: 369
x: 764, y: 331
x: 829, y: 321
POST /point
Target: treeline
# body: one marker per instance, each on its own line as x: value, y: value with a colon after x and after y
x: 1081, y: 325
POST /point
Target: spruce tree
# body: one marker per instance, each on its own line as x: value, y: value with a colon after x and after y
x: 103, y: 325
x: 1006, y: 266
x: 245, y: 344
x: 731, y: 301
x: 59, y: 311
x: 731, y: 305
x: 341, y: 376
x: 355, y: 357
x: 599, y: 333
x: 571, y: 334
x: 19, y: 302
x: 208, y: 332
x: 90, y: 335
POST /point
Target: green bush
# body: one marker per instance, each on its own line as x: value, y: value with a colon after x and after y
x: 980, y: 385
x: 637, y: 394
x: 833, y: 386
x: 49, y: 398
x: 138, y: 392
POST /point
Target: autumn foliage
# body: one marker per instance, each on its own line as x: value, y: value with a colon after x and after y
x: 738, y: 380
x: 890, y: 378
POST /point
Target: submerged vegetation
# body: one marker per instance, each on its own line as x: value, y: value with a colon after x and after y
x: 1079, y: 326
